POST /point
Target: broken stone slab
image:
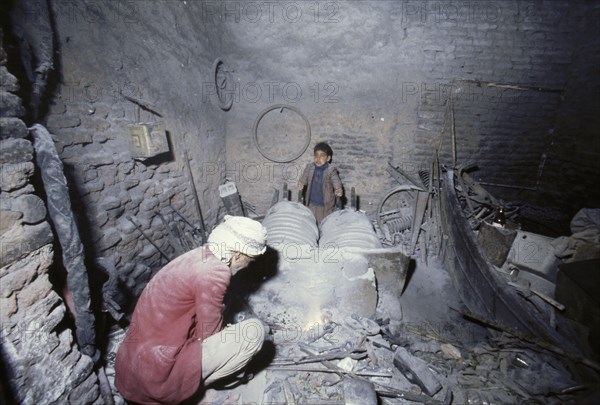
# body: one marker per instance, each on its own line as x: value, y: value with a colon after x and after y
x: 16, y: 275
x: 32, y: 292
x: 416, y: 371
x: 9, y: 308
x: 94, y: 124
x: 83, y: 108
x: 359, y: 392
x: 9, y: 220
x: 86, y: 393
x: 72, y: 136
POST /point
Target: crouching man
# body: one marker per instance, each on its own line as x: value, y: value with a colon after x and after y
x: 175, y: 342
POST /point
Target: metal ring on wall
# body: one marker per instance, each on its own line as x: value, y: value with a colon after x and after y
x: 276, y: 107
x: 222, y: 78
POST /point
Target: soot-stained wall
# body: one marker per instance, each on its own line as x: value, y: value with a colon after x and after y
x: 122, y: 63
x: 374, y: 79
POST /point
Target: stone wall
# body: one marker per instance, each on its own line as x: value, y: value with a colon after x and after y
x: 374, y: 79
x: 526, y: 79
x: 41, y: 363
x: 124, y: 63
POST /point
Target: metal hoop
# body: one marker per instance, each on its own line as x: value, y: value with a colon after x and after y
x: 265, y: 112
x: 218, y: 67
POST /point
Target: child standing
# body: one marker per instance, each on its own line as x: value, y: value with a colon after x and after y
x: 322, y: 182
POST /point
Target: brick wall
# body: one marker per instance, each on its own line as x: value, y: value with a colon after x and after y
x: 149, y: 62
x: 512, y: 67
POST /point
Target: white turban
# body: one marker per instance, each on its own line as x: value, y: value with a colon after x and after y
x: 238, y: 234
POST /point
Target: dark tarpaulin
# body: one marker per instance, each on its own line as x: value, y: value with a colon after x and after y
x: 59, y: 208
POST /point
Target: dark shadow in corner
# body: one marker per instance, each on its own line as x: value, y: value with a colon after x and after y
x: 412, y: 265
x: 6, y: 375
x: 248, y: 281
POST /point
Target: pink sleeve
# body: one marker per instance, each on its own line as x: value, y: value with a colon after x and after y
x: 210, y: 293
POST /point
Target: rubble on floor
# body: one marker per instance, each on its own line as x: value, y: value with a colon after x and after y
x: 369, y: 325
x: 355, y: 356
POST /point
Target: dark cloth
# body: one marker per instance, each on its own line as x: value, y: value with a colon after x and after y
x: 160, y: 359
x: 316, y: 191
x: 331, y: 181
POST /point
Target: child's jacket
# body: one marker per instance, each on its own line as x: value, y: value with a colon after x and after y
x: 331, y: 181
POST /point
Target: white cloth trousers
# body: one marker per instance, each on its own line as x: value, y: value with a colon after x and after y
x: 227, y: 352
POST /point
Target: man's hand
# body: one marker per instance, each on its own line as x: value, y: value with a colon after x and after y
x: 300, y: 186
x: 338, y: 192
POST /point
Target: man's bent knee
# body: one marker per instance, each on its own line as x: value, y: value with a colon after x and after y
x: 254, y: 333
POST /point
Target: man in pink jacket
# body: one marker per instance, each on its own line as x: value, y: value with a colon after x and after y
x: 175, y: 341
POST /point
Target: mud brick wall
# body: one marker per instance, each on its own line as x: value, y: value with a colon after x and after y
x: 41, y: 362
x: 522, y: 138
x: 374, y: 79
x: 159, y: 55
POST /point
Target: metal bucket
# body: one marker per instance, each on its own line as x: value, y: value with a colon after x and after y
x: 348, y: 229
x: 290, y: 222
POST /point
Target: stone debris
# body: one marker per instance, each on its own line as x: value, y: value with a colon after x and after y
x: 416, y: 371
x: 345, y: 364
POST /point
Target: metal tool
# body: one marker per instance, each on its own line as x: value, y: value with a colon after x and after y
x: 135, y: 222
x: 174, y: 241
x: 195, y: 193
x: 352, y: 352
x: 527, y: 291
x: 396, y: 172
x: 196, y: 232
x: 275, y: 198
x: 420, y: 205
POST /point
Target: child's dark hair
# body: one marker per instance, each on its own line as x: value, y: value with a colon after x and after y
x: 323, y: 147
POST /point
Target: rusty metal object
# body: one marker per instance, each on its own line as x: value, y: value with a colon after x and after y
x: 398, y: 173
x: 420, y: 206
x: 397, y: 220
x: 148, y: 139
x: 223, y: 79
x: 137, y: 224
x: 196, y: 200
x: 527, y: 291
x: 281, y: 107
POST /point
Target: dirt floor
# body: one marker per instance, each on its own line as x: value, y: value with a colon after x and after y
x: 415, y: 348
x: 468, y: 363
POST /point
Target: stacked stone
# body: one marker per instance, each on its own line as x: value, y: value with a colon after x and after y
x: 109, y: 186
x: 40, y: 357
